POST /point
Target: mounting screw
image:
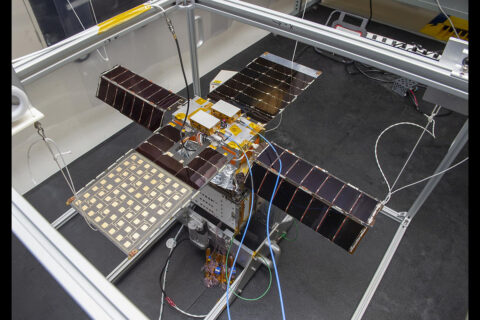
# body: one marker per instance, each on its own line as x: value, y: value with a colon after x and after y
x: 465, y: 64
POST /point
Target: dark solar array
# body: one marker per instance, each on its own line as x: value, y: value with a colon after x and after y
x: 263, y: 88
x: 196, y: 173
x: 336, y: 210
x: 136, y: 97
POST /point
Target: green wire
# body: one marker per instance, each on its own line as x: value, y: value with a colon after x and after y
x: 238, y: 296
x: 284, y: 234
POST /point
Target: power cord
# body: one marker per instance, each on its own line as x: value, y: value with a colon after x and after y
x: 269, y: 271
x: 174, y: 35
x: 430, y: 120
x: 163, y: 282
x: 449, y: 20
x: 268, y: 228
x: 246, y: 227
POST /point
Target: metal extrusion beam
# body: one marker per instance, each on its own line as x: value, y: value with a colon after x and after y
x: 394, y: 60
x: 87, y: 286
x: 28, y: 70
x: 192, y: 37
x: 455, y: 148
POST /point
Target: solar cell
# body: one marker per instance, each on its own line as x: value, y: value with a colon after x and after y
x: 191, y: 177
x: 364, y: 208
x: 329, y: 189
x: 203, y: 167
x: 346, y: 198
x: 299, y: 204
x: 314, y: 214
x: 170, y: 132
x: 314, y: 179
x: 348, y: 234
x: 284, y: 194
x: 214, y: 157
x: 161, y: 142
x: 299, y: 171
x: 330, y: 223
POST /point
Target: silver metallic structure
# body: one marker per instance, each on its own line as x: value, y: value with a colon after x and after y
x: 447, y: 77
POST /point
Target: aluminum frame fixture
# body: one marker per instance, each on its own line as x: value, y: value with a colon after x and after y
x: 85, y: 284
x: 395, y: 60
x: 34, y: 66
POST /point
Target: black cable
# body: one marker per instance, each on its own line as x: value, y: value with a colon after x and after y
x: 370, y: 17
x: 172, y: 30
x: 370, y: 77
x: 165, y: 265
x: 301, y: 53
x: 333, y: 57
x: 417, y: 107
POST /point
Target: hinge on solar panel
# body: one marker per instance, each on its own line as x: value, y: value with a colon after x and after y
x: 70, y: 200
x: 132, y: 253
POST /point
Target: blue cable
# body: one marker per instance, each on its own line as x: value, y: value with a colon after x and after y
x: 244, y: 233
x: 268, y: 228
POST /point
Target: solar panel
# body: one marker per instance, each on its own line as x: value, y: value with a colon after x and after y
x: 333, y: 208
x: 136, y: 97
x: 349, y: 234
x: 266, y: 86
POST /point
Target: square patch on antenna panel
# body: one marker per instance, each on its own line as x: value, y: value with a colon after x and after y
x: 131, y: 200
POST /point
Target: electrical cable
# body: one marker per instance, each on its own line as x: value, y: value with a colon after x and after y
x: 188, y: 93
x: 68, y: 180
x: 370, y: 16
x: 278, y: 125
x: 430, y: 119
x: 370, y: 77
x: 293, y: 59
x: 268, y: 227
x: 174, y: 35
x: 415, y: 101
x: 433, y: 175
x: 165, y: 273
x: 167, y: 298
x: 269, y: 271
x: 296, y: 41
x: 449, y: 20
x: 387, y: 198
x: 284, y: 234
x: 96, y: 22
x: 83, y: 27
x: 245, y: 230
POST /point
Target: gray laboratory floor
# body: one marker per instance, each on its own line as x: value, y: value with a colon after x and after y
x: 334, y: 124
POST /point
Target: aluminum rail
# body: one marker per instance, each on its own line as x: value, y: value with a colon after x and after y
x: 395, y: 60
x: 87, y: 286
x: 456, y: 146
x: 35, y: 66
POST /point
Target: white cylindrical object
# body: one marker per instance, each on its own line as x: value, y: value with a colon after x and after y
x: 18, y: 110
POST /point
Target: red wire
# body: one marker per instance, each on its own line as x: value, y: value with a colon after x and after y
x: 170, y: 301
x: 414, y: 97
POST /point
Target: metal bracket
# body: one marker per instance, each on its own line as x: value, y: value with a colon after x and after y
x: 455, y: 58
x: 406, y: 221
x: 185, y: 4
